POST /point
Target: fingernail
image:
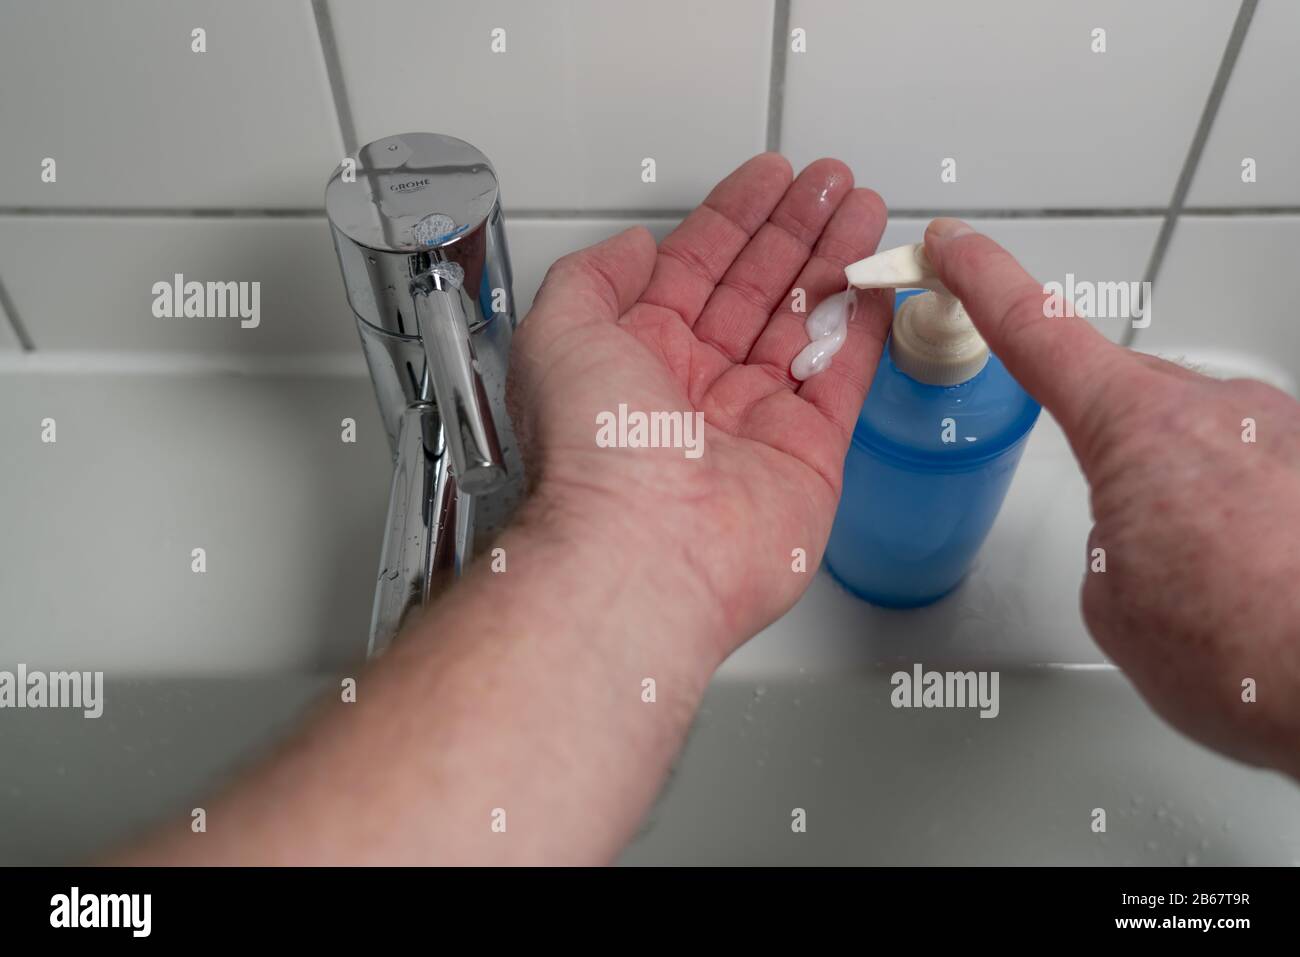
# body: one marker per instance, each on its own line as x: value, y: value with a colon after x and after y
x: 946, y: 228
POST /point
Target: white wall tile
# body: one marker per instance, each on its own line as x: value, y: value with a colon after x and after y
x: 584, y: 92
x: 1224, y: 287
x: 1102, y: 249
x: 1012, y: 91
x: 536, y: 243
x: 107, y: 302
x: 1257, y: 118
x: 132, y: 117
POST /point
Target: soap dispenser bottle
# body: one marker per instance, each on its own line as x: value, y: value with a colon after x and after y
x: 933, y: 451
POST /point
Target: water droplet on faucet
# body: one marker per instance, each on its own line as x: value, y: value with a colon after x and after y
x: 433, y: 229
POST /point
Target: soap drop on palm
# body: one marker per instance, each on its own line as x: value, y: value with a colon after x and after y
x: 831, y: 312
x: 827, y: 328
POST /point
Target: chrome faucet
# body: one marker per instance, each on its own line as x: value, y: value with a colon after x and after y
x: 418, y: 229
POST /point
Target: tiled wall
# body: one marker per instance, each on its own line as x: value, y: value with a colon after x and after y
x: 1117, y: 165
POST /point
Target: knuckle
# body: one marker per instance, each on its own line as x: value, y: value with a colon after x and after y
x: 1023, y: 311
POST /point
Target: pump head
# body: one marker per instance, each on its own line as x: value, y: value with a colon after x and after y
x: 933, y: 340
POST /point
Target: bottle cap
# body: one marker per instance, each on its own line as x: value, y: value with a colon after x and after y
x: 933, y: 340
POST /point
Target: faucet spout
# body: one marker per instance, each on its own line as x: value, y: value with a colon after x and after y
x: 469, y: 429
x: 425, y: 536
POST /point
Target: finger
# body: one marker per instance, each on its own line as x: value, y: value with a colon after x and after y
x: 602, y: 281
x: 852, y: 234
x: 1063, y: 362
x: 839, y: 391
x: 696, y: 255
x: 758, y: 280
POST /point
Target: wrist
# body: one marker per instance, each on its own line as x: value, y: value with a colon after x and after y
x: 561, y: 674
x: 598, y: 562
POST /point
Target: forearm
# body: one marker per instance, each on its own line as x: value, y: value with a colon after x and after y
x: 519, y: 701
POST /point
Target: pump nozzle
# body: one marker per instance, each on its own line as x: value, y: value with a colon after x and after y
x: 933, y: 339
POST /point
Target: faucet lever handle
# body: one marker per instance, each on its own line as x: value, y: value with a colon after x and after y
x: 469, y: 430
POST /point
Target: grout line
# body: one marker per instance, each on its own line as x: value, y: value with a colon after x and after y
x: 309, y: 365
x: 1241, y: 211
x: 132, y: 212
x: 1119, y: 212
x: 776, y: 79
x: 538, y: 215
x: 642, y: 213
x: 136, y: 212
x: 334, y: 70
x: 8, y: 307
x: 900, y: 213
x: 1184, y: 184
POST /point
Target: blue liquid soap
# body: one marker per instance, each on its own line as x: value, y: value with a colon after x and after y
x: 925, y: 476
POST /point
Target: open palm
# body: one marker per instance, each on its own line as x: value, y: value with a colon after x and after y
x: 707, y: 322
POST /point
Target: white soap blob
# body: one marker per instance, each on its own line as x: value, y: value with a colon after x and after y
x: 816, y: 356
x: 827, y: 327
x: 831, y: 312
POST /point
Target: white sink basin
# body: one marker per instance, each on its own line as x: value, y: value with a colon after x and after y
x: 100, y: 526
x: 205, y: 670
x: 879, y: 786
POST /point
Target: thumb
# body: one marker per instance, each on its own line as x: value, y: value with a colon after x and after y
x: 1062, y: 361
